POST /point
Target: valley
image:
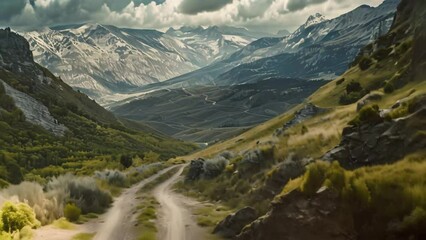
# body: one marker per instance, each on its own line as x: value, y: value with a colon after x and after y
x: 216, y: 132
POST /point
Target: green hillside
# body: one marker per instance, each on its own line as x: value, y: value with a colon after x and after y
x: 94, y: 139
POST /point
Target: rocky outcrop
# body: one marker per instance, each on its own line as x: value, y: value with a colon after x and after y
x: 297, y: 216
x: 381, y: 143
x: 291, y: 168
x: 232, y: 225
x: 308, y: 111
x: 34, y: 111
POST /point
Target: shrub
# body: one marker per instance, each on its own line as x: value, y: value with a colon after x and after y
x: 365, y: 63
x: 351, y: 98
x: 314, y: 177
x: 367, y: 115
x: 47, y: 206
x: 82, y: 191
x: 388, y: 88
x: 370, y: 114
x: 126, y: 160
x: 214, y: 167
x: 17, y: 216
x: 353, y: 87
x: 113, y: 177
x: 72, y: 212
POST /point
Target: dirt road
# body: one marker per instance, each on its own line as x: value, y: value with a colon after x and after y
x: 176, y: 221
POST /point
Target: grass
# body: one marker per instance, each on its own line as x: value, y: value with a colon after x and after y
x: 147, y: 218
x: 377, y: 196
x: 83, y: 236
x: 209, y: 215
x: 62, y: 223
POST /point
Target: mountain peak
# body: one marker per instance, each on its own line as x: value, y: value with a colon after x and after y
x: 14, y: 48
x: 315, y: 19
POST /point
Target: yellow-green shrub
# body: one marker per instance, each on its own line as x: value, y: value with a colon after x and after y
x: 17, y: 216
x: 72, y: 212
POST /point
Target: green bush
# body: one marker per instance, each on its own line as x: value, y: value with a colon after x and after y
x: 367, y: 115
x: 365, y: 63
x: 351, y: 97
x: 72, y: 212
x: 14, y: 217
x: 389, y: 88
x: 314, y: 177
x: 126, y: 160
x: 353, y: 87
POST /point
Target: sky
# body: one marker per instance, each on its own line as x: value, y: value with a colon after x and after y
x: 257, y: 15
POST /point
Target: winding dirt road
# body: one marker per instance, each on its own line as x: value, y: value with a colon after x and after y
x: 121, y: 217
x: 176, y: 221
x: 118, y: 223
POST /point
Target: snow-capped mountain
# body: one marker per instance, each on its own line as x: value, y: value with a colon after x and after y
x: 319, y: 49
x: 213, y: 43
x: 100, y: 59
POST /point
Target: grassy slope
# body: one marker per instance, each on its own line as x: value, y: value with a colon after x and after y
x: 95, y: 139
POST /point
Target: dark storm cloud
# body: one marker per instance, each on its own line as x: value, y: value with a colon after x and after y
x: 193, y: 7
x: 295, y: 5
x: 10, y: 8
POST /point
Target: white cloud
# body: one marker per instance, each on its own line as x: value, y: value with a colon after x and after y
x: 264, y: 15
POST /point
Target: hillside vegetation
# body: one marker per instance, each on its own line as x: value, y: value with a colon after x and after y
x: 385, y: 88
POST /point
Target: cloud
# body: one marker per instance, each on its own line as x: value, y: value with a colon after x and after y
x: 253, y: 8
x: 295, y: 5
x: 10, y: 8
x: 261, y: 15
x: 193, y: 7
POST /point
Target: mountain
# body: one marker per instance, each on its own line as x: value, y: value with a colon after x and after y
x: 47, y: 128
x: 318, y: 49
x: 100, y: 60
x: 347, y: 163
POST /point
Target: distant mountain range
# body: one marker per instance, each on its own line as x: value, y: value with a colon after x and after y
x: 101, y: 60
x: 318, y: 49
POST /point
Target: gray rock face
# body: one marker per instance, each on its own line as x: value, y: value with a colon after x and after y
x: 254, y: 160
x: 308, y: 111
x: 34, y: 111
x: 14, y: 48
x: 234, y: 223
x: 381, y: 143
x: 296, y: 216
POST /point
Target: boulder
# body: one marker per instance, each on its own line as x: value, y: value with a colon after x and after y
x: 232, y: 225
x: 381, y: 143
x: 297, y: 216
x: 308, y: 111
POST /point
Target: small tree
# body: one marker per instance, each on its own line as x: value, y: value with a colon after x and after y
x: 126, y: 160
